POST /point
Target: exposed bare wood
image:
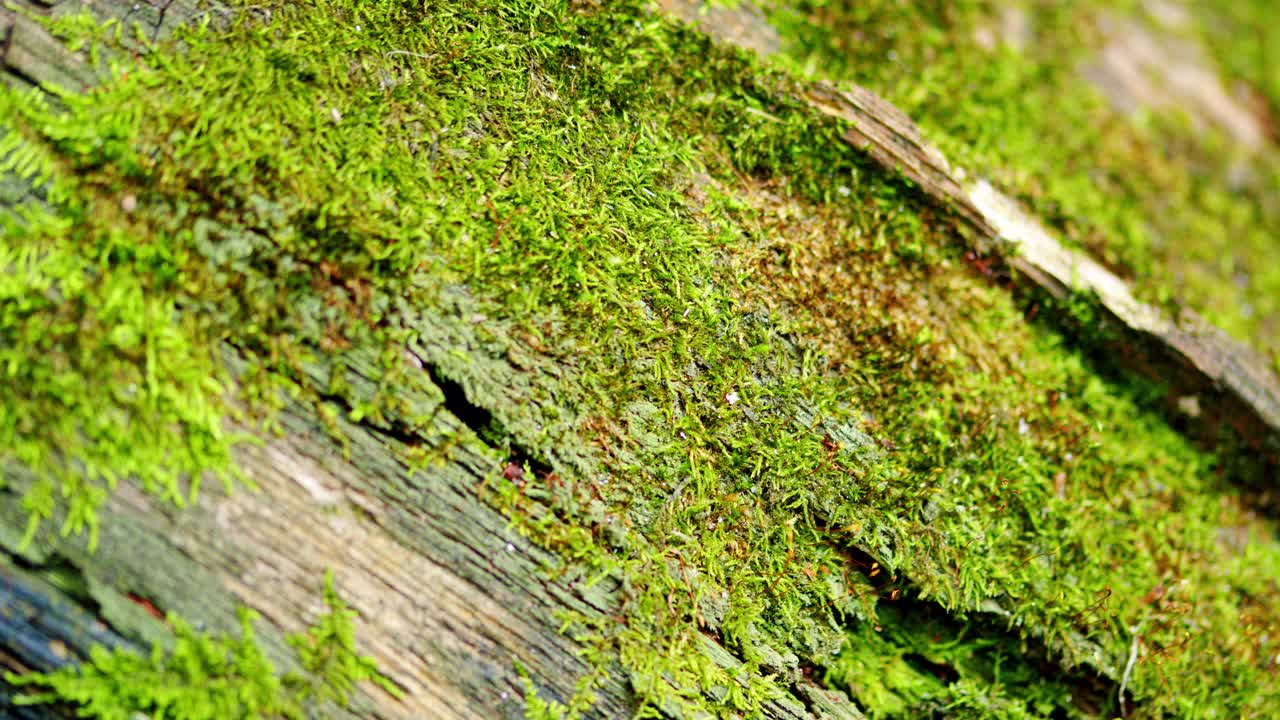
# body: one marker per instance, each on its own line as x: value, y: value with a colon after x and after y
x: 450, y: 598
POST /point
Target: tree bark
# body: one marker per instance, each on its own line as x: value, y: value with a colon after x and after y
x: 450, y: 598
x: 451, y: 601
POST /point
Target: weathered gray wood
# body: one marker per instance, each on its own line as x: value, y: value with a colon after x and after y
x: 450, y: 599
x: 35, y: 56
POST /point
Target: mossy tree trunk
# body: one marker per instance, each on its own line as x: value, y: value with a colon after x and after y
x: 456, y: 607
x: 460, y: 610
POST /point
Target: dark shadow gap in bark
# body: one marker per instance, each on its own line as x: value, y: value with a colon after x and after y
x: 1149, y: 373
x: 483, y: 423
x: 45, y: 625
x: 901, y: 610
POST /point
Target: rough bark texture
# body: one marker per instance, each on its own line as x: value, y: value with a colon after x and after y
x: 450, y: 599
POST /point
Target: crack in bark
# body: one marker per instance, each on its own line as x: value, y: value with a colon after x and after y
x: 483, y: 423
x: 1091, y: 692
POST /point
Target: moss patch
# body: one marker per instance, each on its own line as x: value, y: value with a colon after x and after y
x: 780, y: 355
x: 1176, y: 209
x: 105, y: 380
x: 214, y: 678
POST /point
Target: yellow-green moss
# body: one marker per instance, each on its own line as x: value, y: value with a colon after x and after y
x: 1176, y: 209
x: 208, y: 677
x: 808, y: 406
x: 104, y: 379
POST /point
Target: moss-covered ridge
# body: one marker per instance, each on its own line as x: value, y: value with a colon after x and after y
x: 1003, y: 88
x: 779, y: 355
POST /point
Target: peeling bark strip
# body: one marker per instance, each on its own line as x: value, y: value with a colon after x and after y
x: 1231, y: 382
x: 890, y: 137
x: 1200, y: 365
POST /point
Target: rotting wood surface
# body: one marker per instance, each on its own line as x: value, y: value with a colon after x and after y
x: 1201, y: 366
x: 450, y: 599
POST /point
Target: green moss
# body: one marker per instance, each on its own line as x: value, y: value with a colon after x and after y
x: 105, y: 380
x: 1175, y: 208
x: 1244, y: 38
x: 213, y: 678
x: 777, y: 353
x: 917, y: 663
x: 536, y: 708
